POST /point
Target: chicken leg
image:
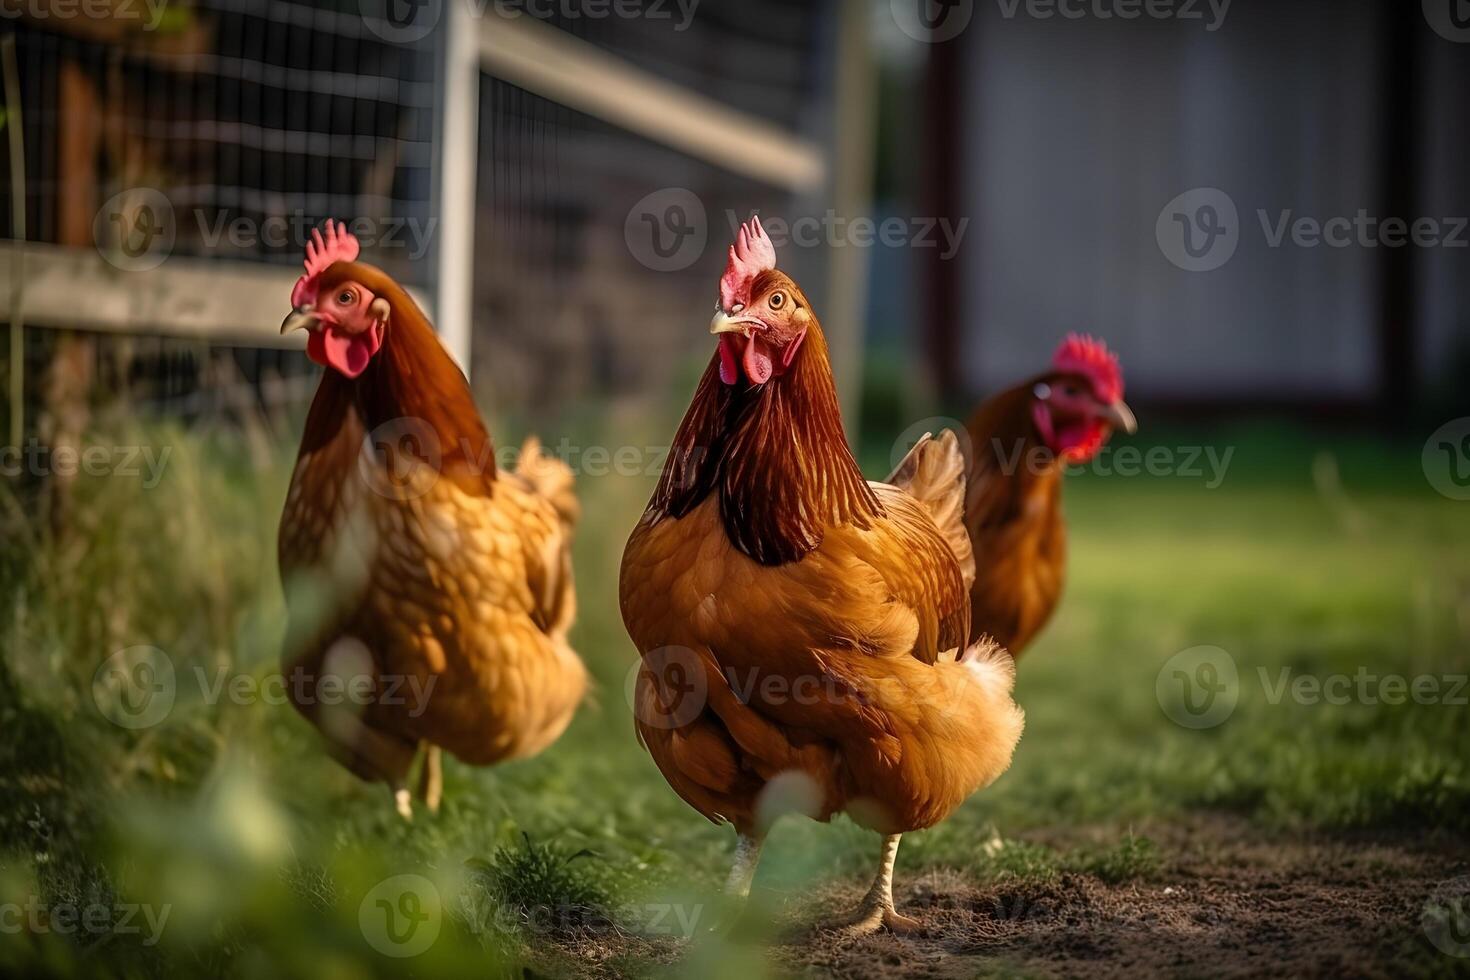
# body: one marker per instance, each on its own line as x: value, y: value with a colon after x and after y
x: 742, y: 873
x: 876, y: 909
x: 372, y: 755
x: 732, y: 918
x: 431, y: 777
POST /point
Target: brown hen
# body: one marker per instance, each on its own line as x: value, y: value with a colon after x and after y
x: 803, y: 631
x: 432, y: 587
x: 1021, y: 442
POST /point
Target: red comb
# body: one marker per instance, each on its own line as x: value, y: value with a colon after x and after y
x: 751, y: 255
x: 1081, y: 354
x: 339, y: 245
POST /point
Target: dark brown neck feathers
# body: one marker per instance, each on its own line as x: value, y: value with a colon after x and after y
x: 411, y: 378
x: 1009, y: 463
x: 777, y: 456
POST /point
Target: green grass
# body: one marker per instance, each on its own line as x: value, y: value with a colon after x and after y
x: 264, y: 851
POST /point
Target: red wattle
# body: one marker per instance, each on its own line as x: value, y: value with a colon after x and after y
x: 757, y: 361
x: 1080, y: 442
x: 346, y: 353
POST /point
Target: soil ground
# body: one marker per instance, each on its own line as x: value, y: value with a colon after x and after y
x: 1229, y: 900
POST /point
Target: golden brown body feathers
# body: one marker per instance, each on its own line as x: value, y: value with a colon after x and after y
x: 1013, y: 513
x: 819, y: 618
x: 455, y: 578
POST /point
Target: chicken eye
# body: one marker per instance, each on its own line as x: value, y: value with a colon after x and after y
x: 346, y: 298
x: 777, y: 300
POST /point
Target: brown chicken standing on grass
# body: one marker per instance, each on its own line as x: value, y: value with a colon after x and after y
x: 803, y: 631
x: 408, y: 560
x: 1021, y: 441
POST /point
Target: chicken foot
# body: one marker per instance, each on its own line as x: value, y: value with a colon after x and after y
x: 876, y: 910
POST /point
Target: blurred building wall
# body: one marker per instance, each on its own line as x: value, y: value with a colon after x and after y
x: 1079, y: 132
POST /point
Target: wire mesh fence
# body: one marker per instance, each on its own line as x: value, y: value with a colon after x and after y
x: 223, y: 131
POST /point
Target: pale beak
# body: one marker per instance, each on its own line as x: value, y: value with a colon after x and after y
x: 725, y: 323
x: 1119, y: 416
x: 299, y: 319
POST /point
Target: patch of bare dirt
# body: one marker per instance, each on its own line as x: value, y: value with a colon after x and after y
x: 1228, y: 901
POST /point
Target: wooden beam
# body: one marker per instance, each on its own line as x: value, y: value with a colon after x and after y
x: 574, y: 73
x: 229, y: 303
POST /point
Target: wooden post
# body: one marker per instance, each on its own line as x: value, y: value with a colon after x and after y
x: 16, y: 140
x: 1398, y: 162
x: 944, y: 124
x: 68, y: 379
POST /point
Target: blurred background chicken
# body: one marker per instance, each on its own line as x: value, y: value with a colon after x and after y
x: 766, y: 565
x: 1021, y: 441
x: 408, y: 560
